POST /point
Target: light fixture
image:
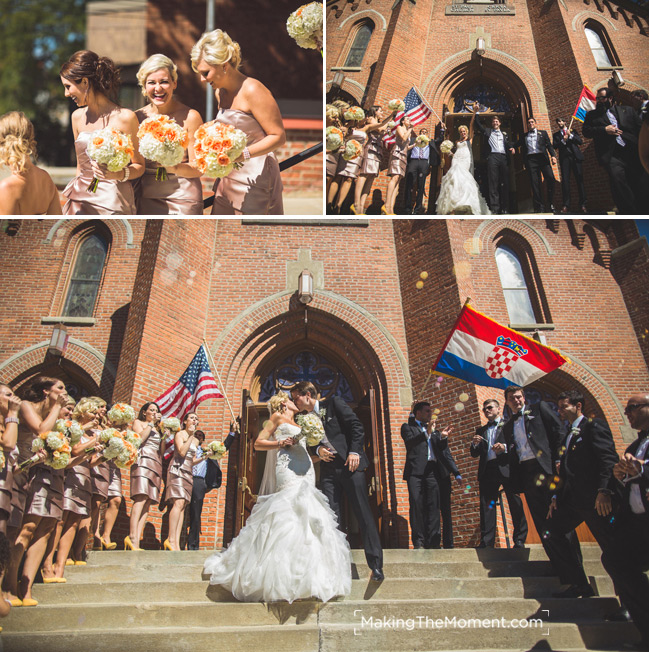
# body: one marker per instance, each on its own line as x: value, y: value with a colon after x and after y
x: 480, y: 47
x: 59, y: 340
x: 305, y: 287
x: 339, y: 78
x: 618, y: 80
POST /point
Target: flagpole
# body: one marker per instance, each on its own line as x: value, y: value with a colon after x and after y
x: 424, y: 101
x: 222, y: 388
x: 457, y: 321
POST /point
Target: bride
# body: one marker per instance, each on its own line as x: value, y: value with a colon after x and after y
x: 291, y: 547
x: 459, y: 192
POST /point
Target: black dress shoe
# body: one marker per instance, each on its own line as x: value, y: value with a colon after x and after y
x: 482, y: 545
x: 377, y: 575
x: 418, y: 547
x: 519, y: 544
x: 574, y: 591
x: 619, y: 616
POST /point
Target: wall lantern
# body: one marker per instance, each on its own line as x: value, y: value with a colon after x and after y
x: 338, y: 80
x: 480, y: 47
x: 305, y: 287
x: 59, y: 340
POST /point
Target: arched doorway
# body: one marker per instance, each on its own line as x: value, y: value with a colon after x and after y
x: 78, y: 382
x: 500, y: 92
x: 339, y: 361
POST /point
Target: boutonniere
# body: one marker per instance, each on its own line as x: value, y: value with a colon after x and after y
x: 528, y: 415
x: 575, y: 430
x: 323, y: 413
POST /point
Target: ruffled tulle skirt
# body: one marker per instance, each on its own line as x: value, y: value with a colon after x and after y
x: 289, y: 549
x: 459, y: 193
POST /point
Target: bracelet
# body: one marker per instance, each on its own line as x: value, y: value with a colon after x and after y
x: 11, y: 420
x: 127, y: 173
x: 246, y: 154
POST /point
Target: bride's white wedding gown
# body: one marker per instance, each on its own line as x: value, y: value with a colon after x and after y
x: 290, y: 547
x: 459, y: 189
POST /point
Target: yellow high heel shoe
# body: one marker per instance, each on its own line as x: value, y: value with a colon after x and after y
x: 80, y: 563
x: 166, y: 545
x: 352, y: 210
x: 108, y: 546
x: 30, y: 602
x: 383, y: 211
x: 129, y: 544
x: 69, y: 562
x: 16, y: 602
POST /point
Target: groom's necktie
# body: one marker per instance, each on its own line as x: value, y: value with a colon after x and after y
x: 613, y: 120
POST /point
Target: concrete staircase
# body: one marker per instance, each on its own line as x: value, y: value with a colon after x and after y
x: 158, y: 602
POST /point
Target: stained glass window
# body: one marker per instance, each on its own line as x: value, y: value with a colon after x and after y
x: 307, y: 365
x: 357, y: 51
x: 512, y: 279
x: 84, y: 284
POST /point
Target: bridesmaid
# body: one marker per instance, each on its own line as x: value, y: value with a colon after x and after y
x: 334, y: 119
x: 112, y: 509
x: 146, y: 473
x: 245, y: 103
x: 92, y: 82
x: 398, y: 163
x: 28, y: 190
x: 77, y: 492
x: 9, y: 408
x: 180, y: 478
x: 42, y: 406
x: 100, y: 477
x: 182, y: 192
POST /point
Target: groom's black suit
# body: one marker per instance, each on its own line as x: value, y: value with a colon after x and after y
x: 345, y: 433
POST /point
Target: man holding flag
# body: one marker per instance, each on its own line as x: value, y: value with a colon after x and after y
x: 571, y: 159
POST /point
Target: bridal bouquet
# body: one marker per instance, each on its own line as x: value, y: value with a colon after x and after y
x: 446, y: 147
x: 217, y: 147
x: 164, y: 141
x: 112, y: 148
x: 56, y: 446
x: 334, y: 139
x: 215, y: 450
x: 121, y: 414
x: 172, y: 424
x: 392, y: 124
x: 354, y: 113
x: 353, y: 149
x: 71, y: 429
x: 396, y: 105
x: 121, y: 447
x: 312, y: 428
x: 422, y: 141
x: 305, y: 26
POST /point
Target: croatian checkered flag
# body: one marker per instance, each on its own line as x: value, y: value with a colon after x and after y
x: 416, y: 109
x: 196, y: 385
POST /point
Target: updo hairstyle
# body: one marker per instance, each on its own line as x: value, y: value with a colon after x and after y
x: 154, y: 63
x: 17, y: 142
x: 216, y: 48
x: 101, y: 72
x: 39, y: 386
x: 275, y: 403
x: 84, y: 406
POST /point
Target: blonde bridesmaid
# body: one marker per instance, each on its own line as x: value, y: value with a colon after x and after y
x: 9, y: 408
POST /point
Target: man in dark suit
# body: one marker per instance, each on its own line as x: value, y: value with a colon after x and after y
x: 615, y: 130
x: 416, y: 172
x: 497, y: 145
x: 207, y: 476
x: 423, y: 453
x: 446, y: 467
x: 434, y: 160
x: 627, y: 561
x: 585, y: 487
x: 533, y: 436
x: 566, y: 142
x: 343, y: 462
x: 493, y: 471
x: 536, y: 145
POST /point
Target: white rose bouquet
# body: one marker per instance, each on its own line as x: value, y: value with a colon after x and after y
x: 71, y: 429
x: 335, y: 139
x: 215, y: 450
x: 422, y: 140
x: 163, y: 140
x: 305, y: 26
x: 121, y: 447
x: 446, y: 147
x: 217, y: 147
x: 171, y: 423
x: 396, y: 105
x: 312, y: 428
x: 112, y: 148
x: 121, y: 414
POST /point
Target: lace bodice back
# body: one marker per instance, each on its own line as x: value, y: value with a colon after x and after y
x: 293, y: 463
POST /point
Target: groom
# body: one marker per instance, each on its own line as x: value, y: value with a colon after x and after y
x: 343, y: 465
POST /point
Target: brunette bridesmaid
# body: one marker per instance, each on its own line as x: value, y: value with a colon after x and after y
x: 9, y: 408
x: 180, y: 479
x: 398, y: 163
x: 181, y: 193
x: 146, y: 473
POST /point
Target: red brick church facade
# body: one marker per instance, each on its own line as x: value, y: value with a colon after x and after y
x: 369, y: 334
x: 537, y: 57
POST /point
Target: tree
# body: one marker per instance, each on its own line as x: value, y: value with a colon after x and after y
x: 36, y: 38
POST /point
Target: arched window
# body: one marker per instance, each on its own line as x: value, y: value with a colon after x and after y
x: 512, y: 279
x: 361, y: 40
x: 600, y: 45
x: 86, y: 275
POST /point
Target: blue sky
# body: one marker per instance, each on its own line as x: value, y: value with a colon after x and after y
x: 643, y: 227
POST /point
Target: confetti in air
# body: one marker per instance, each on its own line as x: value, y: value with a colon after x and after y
x: 464, y: 397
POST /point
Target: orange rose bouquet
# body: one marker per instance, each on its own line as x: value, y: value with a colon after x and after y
x: 163, y: 140
x: 217, y: 147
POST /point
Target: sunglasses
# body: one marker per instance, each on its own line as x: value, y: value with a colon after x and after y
x: 634, y: 406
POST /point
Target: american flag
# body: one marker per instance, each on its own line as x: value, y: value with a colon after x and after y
x: 416, y: 110
x: 196, y: 385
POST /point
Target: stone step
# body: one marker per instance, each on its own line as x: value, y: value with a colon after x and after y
x: 81, y: 617
x: 391, y: 589
x: 146, y: 572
